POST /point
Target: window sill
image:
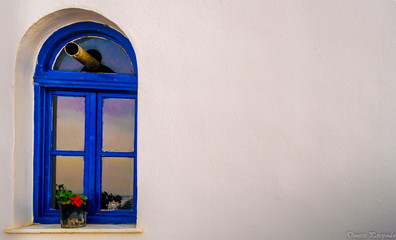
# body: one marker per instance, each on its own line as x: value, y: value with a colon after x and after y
x: 89, y: 229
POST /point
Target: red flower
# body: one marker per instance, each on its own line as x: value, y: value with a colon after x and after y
x: 76, y: 201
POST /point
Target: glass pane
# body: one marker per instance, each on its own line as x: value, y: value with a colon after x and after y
x: 118, y: 124
x: 68, y: 123
x: 111, y: 55
x: 69, y: 171
x: 117, y: 183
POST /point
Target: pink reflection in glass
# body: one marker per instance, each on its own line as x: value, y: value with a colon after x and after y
x: 68, y: 123
x: 118, y: 124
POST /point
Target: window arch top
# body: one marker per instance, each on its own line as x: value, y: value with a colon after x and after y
x: 106, y: 52
x: 114, y: 49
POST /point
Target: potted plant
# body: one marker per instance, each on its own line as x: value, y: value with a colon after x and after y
x: 72, y: 208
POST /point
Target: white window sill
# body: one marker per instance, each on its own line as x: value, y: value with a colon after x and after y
x: 89, y: 229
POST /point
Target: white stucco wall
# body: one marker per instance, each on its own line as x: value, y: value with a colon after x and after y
x: 257, y: 119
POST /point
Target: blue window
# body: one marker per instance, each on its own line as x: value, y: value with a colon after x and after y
x: 85, y: 123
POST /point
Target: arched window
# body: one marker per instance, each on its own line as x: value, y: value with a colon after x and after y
x: 85, y: 107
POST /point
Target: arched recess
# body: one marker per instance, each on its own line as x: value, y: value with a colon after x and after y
x: 26, y: 61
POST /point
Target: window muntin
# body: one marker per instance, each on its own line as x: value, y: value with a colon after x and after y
x: 112, y: 56
x: 95, y: 89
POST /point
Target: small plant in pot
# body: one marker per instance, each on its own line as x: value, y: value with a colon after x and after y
x: 72, y: 208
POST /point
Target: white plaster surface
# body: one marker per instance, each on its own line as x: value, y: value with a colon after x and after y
x: 258, y: 119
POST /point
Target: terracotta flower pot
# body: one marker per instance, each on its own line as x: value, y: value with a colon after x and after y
x: 72, y: 216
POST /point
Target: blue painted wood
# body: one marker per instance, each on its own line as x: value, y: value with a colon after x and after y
x: 93, y: 78
x: 91, y: 148
x: 98, y: 148
x: 118, y: 154
x: 91, y: 219
x: 66, y: 153
x: 37, y: 166
x: 42, y: 148
x: 93, y: 86
x: 47, y: 145
x: 83, y: 85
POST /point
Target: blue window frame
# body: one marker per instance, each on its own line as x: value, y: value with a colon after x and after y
x: 99, y: 104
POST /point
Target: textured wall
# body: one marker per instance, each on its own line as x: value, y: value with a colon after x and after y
x: 257, y: 119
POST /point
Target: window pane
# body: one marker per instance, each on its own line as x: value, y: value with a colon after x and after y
x: 117, y: 183
x: 69, y: 171
x: 68, y: 123
x: 118, y: 124
x: 111, y: 54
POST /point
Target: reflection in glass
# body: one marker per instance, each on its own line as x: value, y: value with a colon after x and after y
x: 118, y: 124
x: 68, y: 123
x: 112, y: 55
x: 117, y: 183
x: 69, y: 171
